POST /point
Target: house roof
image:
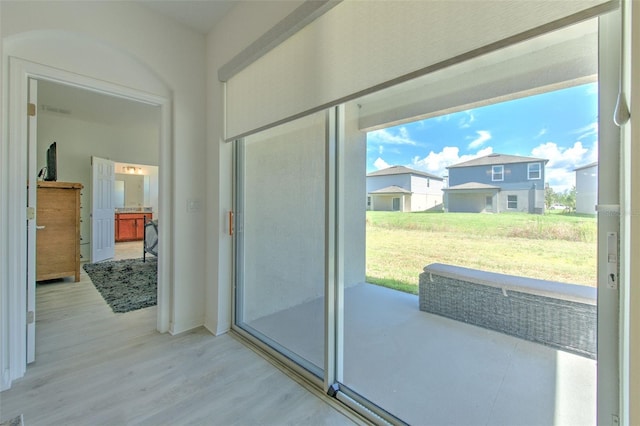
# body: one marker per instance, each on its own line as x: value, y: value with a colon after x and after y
x: 492, y: 159
x: 472, y: 185
x: 401, y: 170
x: 393, y: 189
x: 586, y: 166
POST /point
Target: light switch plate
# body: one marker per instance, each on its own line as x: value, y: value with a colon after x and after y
x: 194, y: 205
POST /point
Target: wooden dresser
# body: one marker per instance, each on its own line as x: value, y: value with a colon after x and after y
x: 58, y: 230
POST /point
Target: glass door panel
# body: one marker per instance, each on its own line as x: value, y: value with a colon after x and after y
x: 281, y: 239
x: 501, y: 328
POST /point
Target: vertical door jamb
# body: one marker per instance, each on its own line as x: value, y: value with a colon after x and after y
x: 32, y: 220
x: 609, y: 177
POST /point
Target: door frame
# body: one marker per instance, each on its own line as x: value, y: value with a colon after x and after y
x: 15, y: 290
x: 610, y: 199
x: 32, y: 137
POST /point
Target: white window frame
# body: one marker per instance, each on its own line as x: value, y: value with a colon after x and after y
x: 509, y: 202
x: 539, y: 171
x: 494, y: 173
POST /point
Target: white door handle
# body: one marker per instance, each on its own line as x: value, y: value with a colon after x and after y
x: 40, y: 227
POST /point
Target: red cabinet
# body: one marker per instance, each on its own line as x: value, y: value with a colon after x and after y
x: 130, y: 226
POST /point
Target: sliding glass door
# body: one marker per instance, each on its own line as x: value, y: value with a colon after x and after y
x: 429, y: 252
x: 280, y: 244
x: 480, y: 304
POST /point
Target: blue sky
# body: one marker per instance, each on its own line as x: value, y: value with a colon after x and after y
x: 561, y: 126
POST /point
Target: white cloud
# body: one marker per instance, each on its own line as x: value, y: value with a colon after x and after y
x: 561, y: 157
x: 593, y: 154
x: 380, y: 149
x: 381, y: 164
x: 483, y: 136
x: 385, y: 137
x: 437, y: 162
x: 541, y: 133
x: 587, y: 131
x: 467, y: 119
x: 484, y: 151
x: 559, y: 170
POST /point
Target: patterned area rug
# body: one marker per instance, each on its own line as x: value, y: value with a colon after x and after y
x: 126, y: 285
x: 16, y: 421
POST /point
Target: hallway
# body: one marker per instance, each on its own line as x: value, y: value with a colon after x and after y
x: 95, y: 367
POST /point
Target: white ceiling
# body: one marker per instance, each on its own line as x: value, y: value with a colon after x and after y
x: 199, y: 15
x: 85, y: 105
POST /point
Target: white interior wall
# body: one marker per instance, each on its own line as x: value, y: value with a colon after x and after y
x: 245, y: 23
x: 125, y: 44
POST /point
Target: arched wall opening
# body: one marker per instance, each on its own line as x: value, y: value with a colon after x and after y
x: 84, y: 62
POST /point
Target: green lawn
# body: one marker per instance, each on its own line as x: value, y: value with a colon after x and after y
x: 555, y: 246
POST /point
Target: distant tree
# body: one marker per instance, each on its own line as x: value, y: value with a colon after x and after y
x: 549, y: 196
x: 570, y: 198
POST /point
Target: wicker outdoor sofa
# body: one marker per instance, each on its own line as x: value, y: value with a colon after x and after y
x: 547, y: 312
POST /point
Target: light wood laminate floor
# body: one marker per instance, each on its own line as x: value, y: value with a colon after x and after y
x: 94, y: 367
x: 129, y: 250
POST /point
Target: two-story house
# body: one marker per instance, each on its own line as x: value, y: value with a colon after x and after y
x: 400, y: 188
x: 587, y: 188
x: 496, y: 183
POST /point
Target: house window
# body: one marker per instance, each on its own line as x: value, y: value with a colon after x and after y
x: 428, y: 182
x: 534, y: 171
x: 489, y: 203
x: 512, y: 201
x: 497, y: 173
x: 369, y: 203
x: 396, y: 205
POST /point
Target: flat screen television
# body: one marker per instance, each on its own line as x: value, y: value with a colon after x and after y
x: 52, y: 163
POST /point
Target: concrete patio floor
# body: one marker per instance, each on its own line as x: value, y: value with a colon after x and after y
x: 430, y: 370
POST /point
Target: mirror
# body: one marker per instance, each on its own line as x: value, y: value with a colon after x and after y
x: 134, y: 190
x: 119, y: 193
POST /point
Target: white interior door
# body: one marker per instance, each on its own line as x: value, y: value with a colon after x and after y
x: 102, y: 209
x: 32, y: 192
